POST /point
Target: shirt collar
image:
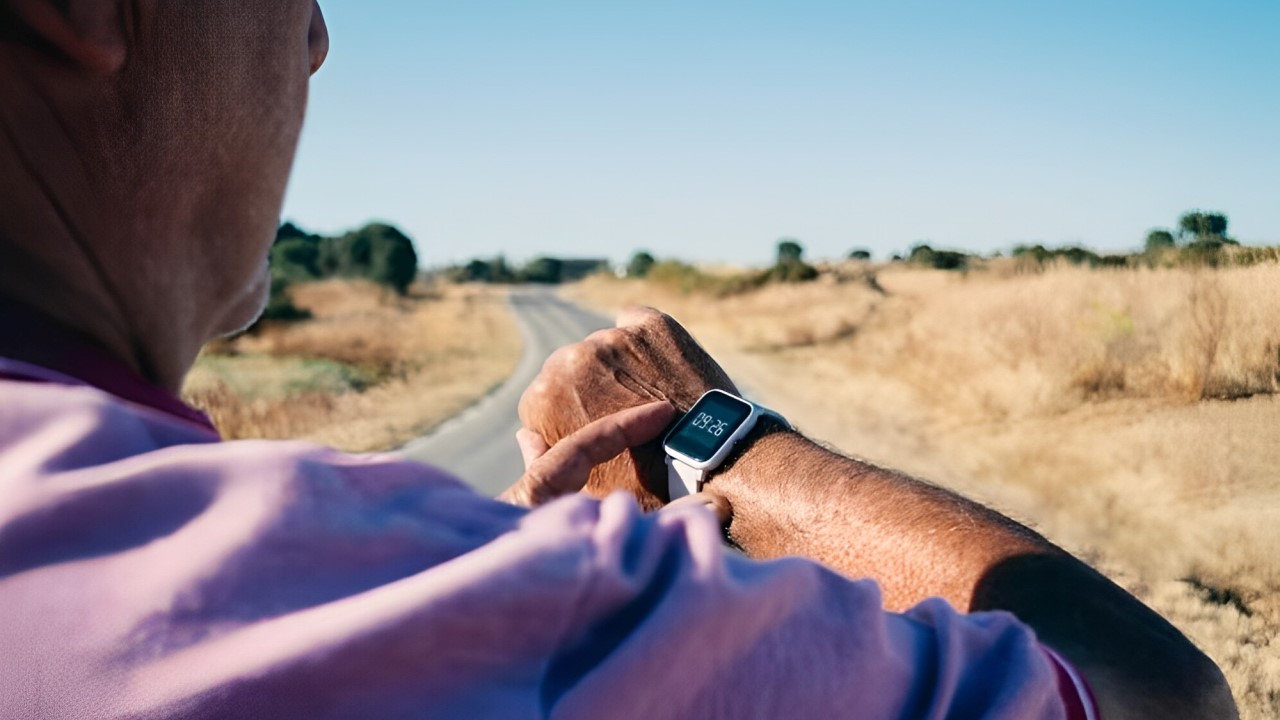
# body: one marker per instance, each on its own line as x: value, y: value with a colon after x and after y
x: 42, y: 350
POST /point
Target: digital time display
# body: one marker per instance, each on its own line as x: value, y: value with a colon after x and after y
x: 708, y: 426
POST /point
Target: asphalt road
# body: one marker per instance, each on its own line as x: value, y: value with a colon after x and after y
x: 479, y: 444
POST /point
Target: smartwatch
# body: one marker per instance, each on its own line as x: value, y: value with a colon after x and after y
x: 704, y: 438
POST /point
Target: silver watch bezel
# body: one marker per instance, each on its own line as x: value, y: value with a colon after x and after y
x: 717, y: 458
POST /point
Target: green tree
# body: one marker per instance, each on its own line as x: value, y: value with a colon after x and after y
x: 791, y: 266
x: 923, y: 254
x: 1192, y: 224
x: 477, y: 271
x: 789, y: 251
x: 295, y: 258
x: 544, y: 270
x: 377, y: 252
x: 289, y: 230
x: 1217, y: 223
x: 500, y: 271
x: 348, y: 255
x: 640, y: 264
x: 859, y: 254
x: 1198, y: 224
x: 1158, y: 240
x: 1078, y: 256
x: 393, y: 261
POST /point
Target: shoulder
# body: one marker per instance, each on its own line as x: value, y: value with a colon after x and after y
x: 80, y: 462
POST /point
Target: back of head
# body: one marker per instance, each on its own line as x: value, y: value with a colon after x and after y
x: 146, y: 146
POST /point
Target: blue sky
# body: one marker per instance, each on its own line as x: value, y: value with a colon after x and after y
x: 707, y: 129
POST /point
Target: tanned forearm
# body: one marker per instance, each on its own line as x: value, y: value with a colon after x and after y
x: 791, y: 497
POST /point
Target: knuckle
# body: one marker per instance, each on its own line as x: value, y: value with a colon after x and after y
x: 534, y: 398
x: 575, y: 357
x: 605, y: 336
x: 558, y: 359
x: 658, y: 327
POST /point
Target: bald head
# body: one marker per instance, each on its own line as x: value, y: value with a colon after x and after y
x: 147, y: 144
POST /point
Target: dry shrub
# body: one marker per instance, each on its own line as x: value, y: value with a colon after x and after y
x: 238, y: 417
x: 770, y: 319
x: 370, y: 371
x: 1091, y: 404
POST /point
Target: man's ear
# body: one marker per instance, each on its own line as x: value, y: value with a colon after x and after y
x: 89, y: 33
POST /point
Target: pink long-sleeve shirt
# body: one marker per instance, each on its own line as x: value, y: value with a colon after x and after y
x: 150, y: 570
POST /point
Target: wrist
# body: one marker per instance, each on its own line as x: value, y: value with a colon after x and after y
x: 757, y: 453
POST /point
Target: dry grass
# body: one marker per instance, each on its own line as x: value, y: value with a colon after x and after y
x: 1130, y: 415
x: 370, y: 371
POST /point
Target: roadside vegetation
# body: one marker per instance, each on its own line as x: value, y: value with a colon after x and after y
x: 354, y: 352
x: 1128, y: 410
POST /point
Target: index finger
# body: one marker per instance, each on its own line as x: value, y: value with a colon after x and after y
x: 564, y: 468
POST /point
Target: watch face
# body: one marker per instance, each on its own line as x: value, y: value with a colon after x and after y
x: 708, y: 426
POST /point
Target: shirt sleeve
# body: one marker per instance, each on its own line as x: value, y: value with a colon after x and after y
x: 250, y: 580
x: 670, y: 625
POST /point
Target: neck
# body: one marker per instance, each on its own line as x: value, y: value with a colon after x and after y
x: 67, y: 251
x: 83, y: 308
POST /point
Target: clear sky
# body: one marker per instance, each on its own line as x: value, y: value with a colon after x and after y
x: 707, y: 129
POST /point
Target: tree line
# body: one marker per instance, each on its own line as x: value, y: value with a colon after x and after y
x: 542, y: 270
x: 1200, y: 238
x: 378, y: 252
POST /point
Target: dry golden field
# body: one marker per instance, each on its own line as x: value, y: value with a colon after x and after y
x: 369, y: 371
x: 1129, y: 415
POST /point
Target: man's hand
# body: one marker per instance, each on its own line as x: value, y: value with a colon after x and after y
x: 647, y: 357
x: 563, y: 469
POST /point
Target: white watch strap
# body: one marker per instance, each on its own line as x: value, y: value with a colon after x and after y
x: 682, y: 479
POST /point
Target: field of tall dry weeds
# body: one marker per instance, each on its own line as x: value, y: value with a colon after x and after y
x: 369, y: 371
x: 1130, y: 415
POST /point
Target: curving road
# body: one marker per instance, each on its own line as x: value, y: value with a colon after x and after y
x: 479, y: 444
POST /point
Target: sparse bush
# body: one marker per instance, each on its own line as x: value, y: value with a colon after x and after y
x: 790, y: 266
x: 1078, y: 256
x: 925, y: 255
x: 1031, y: 253
x: 640, y: 264
x: 789, y: 250
x: 495, y: 270
x: 1036, y: 257
x: 680, y: 276
x: 1206, y: 252
x: 792, y: 272
x: 543, y: 270
x: 688, y: 279
x: 280, y: 305
x: 1246, y: 256
x: 1158, y: 240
